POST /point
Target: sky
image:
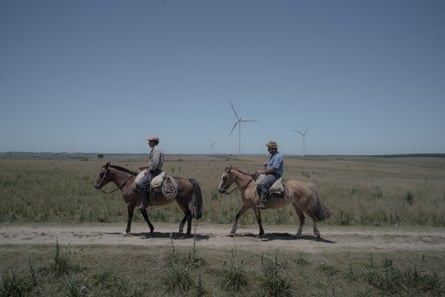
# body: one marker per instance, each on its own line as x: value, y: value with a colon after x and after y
x: 100, y: 76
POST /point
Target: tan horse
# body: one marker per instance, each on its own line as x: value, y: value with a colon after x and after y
x: 188, y: 197
x: 303, y: 196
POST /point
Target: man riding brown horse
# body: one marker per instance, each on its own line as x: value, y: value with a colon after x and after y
x: 153, y: 168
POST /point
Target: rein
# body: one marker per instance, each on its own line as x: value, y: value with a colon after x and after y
x: 231, y: 191
x: 236, y: 187
x: 117, y: 188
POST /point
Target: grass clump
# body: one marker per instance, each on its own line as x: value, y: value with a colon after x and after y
x: 63, y: 264
x: 234, y: 276
x: 273, y: 282
x: 178, y: 275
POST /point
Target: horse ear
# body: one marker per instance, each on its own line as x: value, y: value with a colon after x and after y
x: 106, y: 165
x: 229, y: 168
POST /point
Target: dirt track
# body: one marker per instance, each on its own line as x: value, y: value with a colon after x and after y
x: 334, y: 238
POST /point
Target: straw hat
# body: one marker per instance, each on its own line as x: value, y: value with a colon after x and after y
x: 272, y: 144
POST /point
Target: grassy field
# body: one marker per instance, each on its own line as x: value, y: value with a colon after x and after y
x: 365, y: 191
x: 169, y: 271
x: 359, y: 190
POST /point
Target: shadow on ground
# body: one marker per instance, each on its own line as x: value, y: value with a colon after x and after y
x: 166, y: 235
x: 282, y: 236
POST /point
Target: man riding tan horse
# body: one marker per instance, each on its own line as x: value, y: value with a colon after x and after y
x: 303, y: 197
x: 273, y: 170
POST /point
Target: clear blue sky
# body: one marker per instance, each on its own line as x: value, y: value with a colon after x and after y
x: 101, y: 76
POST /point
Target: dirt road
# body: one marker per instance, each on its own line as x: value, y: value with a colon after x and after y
x: 334, y: 238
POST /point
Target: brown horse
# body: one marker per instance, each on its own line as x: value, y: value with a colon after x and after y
x: 188, y: 196
x: 303, y: 196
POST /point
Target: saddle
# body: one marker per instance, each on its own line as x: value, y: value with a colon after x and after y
x: 163, y: 183
x: 277, y: 189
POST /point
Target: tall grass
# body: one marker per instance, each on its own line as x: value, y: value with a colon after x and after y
x: 359, y: 191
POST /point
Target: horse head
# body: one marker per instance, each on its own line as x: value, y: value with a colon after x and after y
x: 226, y: 180
x: 104, y: 177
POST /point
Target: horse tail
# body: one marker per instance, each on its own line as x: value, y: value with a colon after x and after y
x: 196, y: 207
x: 318, y: 209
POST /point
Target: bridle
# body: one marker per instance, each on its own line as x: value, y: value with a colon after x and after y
x: 117, y: 188
x: 235, y: 187
x: 231, y: 191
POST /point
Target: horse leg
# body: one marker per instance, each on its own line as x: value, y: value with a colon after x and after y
x: 130, y: 209
x: 147, y: 220
x: 235, y: 225
x: 258, y: 219
x: 315, y: 230
x: 302, y: 218
x: 181, y: 224
x: 189, y: 223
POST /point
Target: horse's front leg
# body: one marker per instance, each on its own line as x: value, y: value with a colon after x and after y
x: 235, y: 225
x: 130, y: 210
x: 147, y: 220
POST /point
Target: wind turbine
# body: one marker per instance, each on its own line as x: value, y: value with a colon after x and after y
x: 238, y: 122
x: 212, y: 145
x: 303, y: 134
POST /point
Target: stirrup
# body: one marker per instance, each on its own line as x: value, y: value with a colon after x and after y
x: 141, y: 206
x: 261, y: 205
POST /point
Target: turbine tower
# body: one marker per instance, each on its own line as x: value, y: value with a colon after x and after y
x: 238, y: 122
x: 303, y: 134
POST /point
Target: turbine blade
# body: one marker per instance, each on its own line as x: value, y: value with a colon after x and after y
x: 307, y: 129
x: 234, y: 111
x: 234, y: 126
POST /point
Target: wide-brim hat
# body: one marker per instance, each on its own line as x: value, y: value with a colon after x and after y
x: 272, y: 144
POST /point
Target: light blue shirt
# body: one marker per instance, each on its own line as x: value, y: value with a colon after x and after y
x: 276, y: 161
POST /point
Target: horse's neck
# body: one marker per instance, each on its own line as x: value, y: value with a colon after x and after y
x: 120, y: 178
x: 242, y: 180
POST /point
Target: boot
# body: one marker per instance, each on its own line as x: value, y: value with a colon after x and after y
x: 262, y: 201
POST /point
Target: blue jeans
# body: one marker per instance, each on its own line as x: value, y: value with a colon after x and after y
x: 267, y: 182
x: 146, y: 179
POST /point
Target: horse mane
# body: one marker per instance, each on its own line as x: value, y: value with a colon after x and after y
x: 253, y: 176
x: 120, y: 168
